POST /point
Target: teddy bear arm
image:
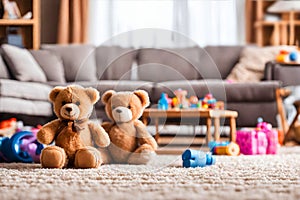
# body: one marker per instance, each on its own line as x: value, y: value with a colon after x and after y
x: 100, y: 136
x: 107, y: 126
x: 144, y: 137
x: 47, y: 133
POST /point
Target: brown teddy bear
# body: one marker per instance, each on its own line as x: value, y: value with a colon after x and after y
x: 74, y: 134
x: 130, y: 141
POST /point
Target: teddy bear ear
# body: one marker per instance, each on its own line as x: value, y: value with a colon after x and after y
x: 107, y: 95
x: 54, y: 92
x: 93, y: 94
x: 143, y: 96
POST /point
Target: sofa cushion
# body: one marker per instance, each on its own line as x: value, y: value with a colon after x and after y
x: 114, y: 62
x: 22, y: 65
x: 168, y: 64
x: 24, y: 90
x: 24, y: 106
x: 221, y: 90
x: 51, y: 65
x: 122, y: 85
x: 198, y: 88
x: 3, y: 69
x: 263, y: 91
x: 216, y: 62
x: 78, y: 60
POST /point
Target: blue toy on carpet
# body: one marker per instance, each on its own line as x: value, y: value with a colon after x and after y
x: 196, y: 158
x: 21, y: 147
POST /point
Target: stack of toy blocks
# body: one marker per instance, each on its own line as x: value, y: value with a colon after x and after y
x: 262, y: 140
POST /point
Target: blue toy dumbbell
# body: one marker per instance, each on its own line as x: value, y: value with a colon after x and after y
x: 194, y: 158
x: 21, y: 147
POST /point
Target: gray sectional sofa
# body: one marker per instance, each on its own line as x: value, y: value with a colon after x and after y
x: 25, y: 82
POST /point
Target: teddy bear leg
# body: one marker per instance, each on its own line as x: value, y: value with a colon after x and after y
x: 54, y: 157
x: 87, y: 157
x: 106, y: 156
x: 141, y: 155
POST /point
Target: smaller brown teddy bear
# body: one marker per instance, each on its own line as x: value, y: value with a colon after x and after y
x: 73, y: 133
x: 130, y: 141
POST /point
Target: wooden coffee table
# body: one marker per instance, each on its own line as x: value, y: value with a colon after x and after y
x: 209, y: 114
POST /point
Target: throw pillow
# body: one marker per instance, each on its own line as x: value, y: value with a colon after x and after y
x: 78, y: 61
x: 51, y: 64
x: 22, y: 65
x: 251, y: 65
x: 3, y: 69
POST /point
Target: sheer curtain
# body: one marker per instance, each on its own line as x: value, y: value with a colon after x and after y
x: 156, y: 23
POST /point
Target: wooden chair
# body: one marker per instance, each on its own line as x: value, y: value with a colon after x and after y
x: 293, y: 133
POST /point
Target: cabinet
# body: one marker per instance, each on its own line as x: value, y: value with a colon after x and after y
x: 29, y: 29
x: 271, y: 28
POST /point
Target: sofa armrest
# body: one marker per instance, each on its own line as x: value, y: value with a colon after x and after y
x: 268, y: 72
x: 288, y: 74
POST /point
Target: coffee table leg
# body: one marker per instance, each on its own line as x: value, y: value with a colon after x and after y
x: 208, y: 133
x: 232, y: 129
x: 156, y: 130
x: 217, y: 128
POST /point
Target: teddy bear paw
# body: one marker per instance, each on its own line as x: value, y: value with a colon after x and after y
x: 141, y: 158
x: 88, y: 158
x: 53, y: 157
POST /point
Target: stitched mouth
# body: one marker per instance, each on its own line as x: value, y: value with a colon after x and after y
x: 69, y: 114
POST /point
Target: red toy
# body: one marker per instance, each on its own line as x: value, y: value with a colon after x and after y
x: 8, y: 127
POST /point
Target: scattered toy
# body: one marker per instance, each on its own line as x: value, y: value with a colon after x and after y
x: 21, y: 147
x: 209, y: 101
x: 163, y: 103
x: 182, y: 101
x: 8, y: 127
x: 261, y: 140
x: 195, y: 158
x: 285, y: 56
x: 224, y: 148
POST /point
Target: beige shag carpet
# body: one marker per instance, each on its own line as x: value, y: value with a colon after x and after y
x: 241, y: 177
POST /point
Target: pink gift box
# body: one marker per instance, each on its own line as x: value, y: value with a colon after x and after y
x: 272, y: 137
x: 252, y: 142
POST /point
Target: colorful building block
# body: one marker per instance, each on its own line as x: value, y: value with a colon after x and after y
x: 195, y: 158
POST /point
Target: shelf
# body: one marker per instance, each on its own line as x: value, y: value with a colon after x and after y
x: 17, y: 22
x: 284, y: 31
x: 270, y: 23
x: 28, y: 29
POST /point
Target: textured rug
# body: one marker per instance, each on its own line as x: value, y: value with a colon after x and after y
x: 241, y: 177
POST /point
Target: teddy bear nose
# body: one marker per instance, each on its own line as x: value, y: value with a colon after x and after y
x: 69, y: 109
x: 118, y: 110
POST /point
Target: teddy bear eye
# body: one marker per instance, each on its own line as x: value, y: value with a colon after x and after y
x: 113, y: 107
x: 63, y: 103
x: 77, y: 103
x: 128, y: 106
